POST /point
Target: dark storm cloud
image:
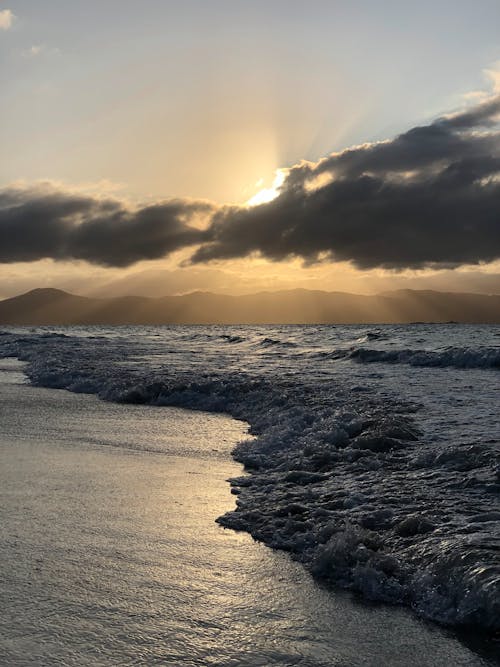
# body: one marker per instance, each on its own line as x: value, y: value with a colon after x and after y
x: 482, y: 114
x: 431, y: 196
x: 39, y: 222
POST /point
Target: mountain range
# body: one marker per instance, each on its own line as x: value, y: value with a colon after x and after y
x: 300, y: 306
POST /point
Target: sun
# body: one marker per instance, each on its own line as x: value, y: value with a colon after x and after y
x: 268, y: 194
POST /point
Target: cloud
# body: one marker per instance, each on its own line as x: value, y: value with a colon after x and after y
x: 39, y: 50
x: 6, y: 19
x: 492, y: 75
x: 429, y: 197
x: 34, y: 51
x: 44, y: 222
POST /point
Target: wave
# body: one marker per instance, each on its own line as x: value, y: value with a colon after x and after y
x: 232, y: 339
x: 273, y: 342
x: 373, y: 335
x: 342, y: 480
x: 455, y: 357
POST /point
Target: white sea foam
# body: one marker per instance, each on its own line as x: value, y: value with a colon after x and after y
x: 386, y: 484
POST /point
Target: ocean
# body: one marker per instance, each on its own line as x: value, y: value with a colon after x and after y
x: 371, y: 470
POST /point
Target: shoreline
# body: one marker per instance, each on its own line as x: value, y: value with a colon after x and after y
x: 380, y: 607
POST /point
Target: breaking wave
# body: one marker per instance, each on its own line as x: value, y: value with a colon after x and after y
x: 344, y: 480
x: 455, y: 357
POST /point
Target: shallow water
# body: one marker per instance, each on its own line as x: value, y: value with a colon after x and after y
x: 111, y: 556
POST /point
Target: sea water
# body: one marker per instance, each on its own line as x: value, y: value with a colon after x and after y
x: 374, y: 461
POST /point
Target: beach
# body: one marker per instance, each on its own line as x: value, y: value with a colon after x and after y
x: 111, y: 554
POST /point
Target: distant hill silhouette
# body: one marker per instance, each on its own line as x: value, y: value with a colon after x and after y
x: 55, y: 307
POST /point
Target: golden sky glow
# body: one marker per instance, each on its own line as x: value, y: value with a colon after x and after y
x: 209, y: 101
x: 163, y: 277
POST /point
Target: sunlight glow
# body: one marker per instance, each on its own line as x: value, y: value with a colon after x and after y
x: 268, y: 194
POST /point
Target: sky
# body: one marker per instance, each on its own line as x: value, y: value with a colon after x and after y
x: 236, y: 146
